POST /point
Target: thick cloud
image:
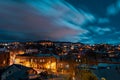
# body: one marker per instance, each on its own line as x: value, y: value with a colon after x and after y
x: 58, y: 20
x: 36, y: 20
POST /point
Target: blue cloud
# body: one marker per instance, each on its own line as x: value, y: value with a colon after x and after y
x: 103, y: 20
x: 100, y: 31
x: 62, y: 13
x: 114, y: 9
x: 57, y: 20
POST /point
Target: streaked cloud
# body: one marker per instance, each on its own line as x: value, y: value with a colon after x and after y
x: 103, y: 20
x: 63, y: 13
x: 44, y: 19
x: 99, y: 30
x: 59, y: 20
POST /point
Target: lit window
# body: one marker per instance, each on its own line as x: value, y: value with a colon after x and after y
x: 79, y: 60
x: 43, y: 60
x: 4, y: 62
x: 76, y: 60
x: 67, y: 66
x: 40, y: 60
x: 35, y: 60
x: 31, y: 60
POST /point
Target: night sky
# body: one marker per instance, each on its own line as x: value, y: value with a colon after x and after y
x: 86, y: 21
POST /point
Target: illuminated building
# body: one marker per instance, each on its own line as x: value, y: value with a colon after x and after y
x: 8, y: 57
x: 4, y: 59
x: 16, y: 43
x: 31, y: 50
x: 46, y: 43
x: 38, y: 61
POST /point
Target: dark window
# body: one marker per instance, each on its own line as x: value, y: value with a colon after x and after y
x: 9, y: 72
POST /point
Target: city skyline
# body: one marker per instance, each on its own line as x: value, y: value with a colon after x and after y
x: 60, y: 20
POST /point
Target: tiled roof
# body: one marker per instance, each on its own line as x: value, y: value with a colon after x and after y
x: 40, y: 55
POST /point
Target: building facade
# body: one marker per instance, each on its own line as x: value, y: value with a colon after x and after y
x: 4, y: 59
x: 38, y: 61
